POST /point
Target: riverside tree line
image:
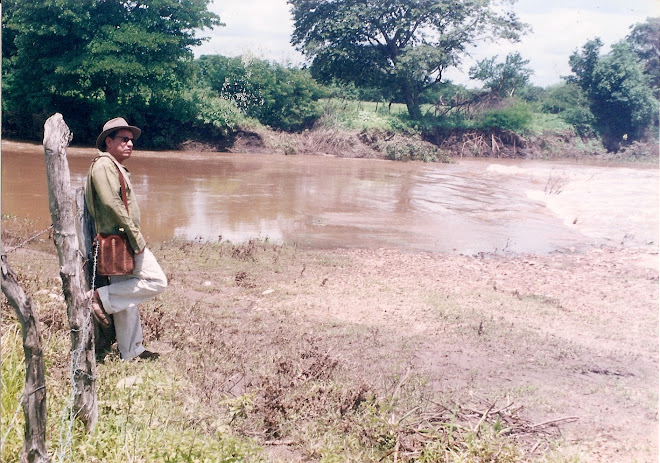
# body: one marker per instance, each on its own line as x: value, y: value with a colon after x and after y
x: 93, y: 59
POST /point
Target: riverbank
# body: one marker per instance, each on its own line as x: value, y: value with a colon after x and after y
x: 276, y: 353
x: 432, y: 145
x: 436, y: 146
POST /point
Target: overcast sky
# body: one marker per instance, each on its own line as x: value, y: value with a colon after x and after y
x: 263, y: 28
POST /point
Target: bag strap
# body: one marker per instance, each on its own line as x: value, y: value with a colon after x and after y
x: 122, y: 183
x: 123, y: 188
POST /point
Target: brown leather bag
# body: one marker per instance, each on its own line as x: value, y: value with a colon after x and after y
x: 114, y: 254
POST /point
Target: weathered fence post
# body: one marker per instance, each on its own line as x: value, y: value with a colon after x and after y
x: 34, y: 393
x: 85, y: 232
x: 62, y: 211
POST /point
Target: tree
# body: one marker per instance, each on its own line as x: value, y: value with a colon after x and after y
x: 644, y: 40
x: 584, y: 64
x: 502, y: 79
x: 94, y: 59
x: 571, y: 104
x: 281, y: 97
x: 618, y: 91
x: 400, y: 45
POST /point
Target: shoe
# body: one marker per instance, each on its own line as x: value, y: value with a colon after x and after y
x: 100, y: 315
x: 148, y: 355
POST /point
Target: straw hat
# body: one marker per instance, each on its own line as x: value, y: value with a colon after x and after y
x: 113, y: 125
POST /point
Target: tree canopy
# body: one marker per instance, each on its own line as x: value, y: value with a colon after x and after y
x: 401, y: 46
x: 94, y: 59
x: 644, y: 40
x: 620, y: 93
x: 275, y: 95
x: 502, y: 79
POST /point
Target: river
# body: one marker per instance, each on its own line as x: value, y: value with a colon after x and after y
x: 469, y: 206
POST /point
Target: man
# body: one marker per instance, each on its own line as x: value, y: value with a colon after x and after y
x: 104, y: 201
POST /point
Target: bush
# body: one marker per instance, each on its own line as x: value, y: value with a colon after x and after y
x: 212, y: 110
x: 582, y: 120
x: 411, y: 150
x: 516, y: 118
x: 280, y: 97
x: 360, y: 115
x: 402, y: 147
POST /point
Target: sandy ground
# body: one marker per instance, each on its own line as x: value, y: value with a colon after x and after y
x: 566, y: 335
x: 569, y: 337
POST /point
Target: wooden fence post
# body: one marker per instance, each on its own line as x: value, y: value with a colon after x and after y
x: 34, y: 395
x: 62, y: 211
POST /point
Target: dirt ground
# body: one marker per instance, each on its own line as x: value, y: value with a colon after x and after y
x: 572, y: 338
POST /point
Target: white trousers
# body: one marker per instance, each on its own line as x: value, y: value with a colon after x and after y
x: 122, y: 297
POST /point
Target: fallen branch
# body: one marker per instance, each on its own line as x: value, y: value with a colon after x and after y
x: 555, y: 421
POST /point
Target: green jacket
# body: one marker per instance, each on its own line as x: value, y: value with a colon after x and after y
x: 105, y: 204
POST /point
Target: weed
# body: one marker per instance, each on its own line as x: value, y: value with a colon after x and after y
x: 244, y: 251
x: 555, y: 183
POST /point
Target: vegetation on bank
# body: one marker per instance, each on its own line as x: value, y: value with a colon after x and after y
x: 245, y: 382
x: 94, y: 60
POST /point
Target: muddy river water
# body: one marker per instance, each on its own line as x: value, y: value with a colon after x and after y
x: 469, y: 206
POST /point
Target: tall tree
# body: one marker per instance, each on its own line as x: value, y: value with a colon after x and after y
x: 502, y: 79
x: 644, y: 40
x: 403, y: 46
x: 92, y: 58
x: 618, y: 91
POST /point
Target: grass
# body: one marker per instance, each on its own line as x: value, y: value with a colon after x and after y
x: 13, y: 380
x: 142, y: 415
x: 363, y: 129
x: 367, y: 115
x: 548, y: 123
x: 360, y: 115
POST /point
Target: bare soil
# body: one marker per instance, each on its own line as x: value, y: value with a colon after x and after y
x: 444, y: 143
x: 571, y: 339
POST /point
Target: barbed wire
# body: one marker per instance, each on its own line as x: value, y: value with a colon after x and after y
x: 32, y: 238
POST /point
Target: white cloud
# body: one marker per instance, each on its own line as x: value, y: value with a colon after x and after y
x: 263, y: 28
x: 259, y: 27
x: 558, y: 29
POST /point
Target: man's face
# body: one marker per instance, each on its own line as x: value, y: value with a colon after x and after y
x: 120, y: 145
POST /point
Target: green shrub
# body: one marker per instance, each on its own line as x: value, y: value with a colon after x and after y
x: 212, y: 110
x: 278, y: 96
x: 516, y: 118
x: 582, y: 119
x: 571, y: 104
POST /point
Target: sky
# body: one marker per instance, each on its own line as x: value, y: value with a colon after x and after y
x: 262, y: 28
